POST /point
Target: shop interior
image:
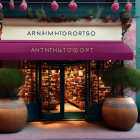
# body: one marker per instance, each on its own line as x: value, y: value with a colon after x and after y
x: 43, y: 81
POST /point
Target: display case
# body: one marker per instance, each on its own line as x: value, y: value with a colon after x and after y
x: 75, y: 85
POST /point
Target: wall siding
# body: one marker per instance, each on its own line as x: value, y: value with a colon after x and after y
x: 138, y: 50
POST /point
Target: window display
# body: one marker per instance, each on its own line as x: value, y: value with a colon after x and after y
x: 43, y: 84
x: 98, y: 91
x: 75, y: 85
x: 28, y: 91
x: 50, y: 88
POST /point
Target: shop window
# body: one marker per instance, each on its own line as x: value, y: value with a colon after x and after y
x: 28, y: 91
x: 98, y: 91
x: 43, y: 83
x: 75, y: 86
x: 50, y: 88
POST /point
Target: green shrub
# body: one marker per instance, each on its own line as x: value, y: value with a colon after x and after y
x: 124, y: 77
x: 10, y: 80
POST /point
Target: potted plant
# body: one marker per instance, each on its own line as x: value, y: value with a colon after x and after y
x: 13, y: 111
x: 90, y: 14
x: 120, y: 112
x: 107, y: 18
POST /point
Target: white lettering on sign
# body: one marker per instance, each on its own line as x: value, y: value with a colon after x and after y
x: 61, y: 50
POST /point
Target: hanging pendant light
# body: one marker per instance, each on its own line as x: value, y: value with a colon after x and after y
x: 128, y: 6
x: 23, y: 6
x: 115, y: 6
x: 1, y: 6
x: 72, y: 6
x: 11, y: 4
x: 54, y: 6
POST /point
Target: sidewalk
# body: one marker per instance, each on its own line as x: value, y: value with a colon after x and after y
x: 71, y: 130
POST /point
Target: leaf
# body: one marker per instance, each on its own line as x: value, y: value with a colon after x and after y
x: 99, y: 12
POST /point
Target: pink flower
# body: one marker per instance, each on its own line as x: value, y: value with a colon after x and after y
x: 115, y: 7
x: 23, y: 6
x: 72, y: 6
x: 128, y: 6
x: 11, y: 4
x: 1, y: 6
x: 54, y: 6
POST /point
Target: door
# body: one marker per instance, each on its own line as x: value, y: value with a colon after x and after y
x: 51, y: 91
x: 75, y: 91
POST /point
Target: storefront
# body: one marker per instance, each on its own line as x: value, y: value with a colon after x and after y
x: 60, y: 88
x: 65, y: 89
x: 63, y: 76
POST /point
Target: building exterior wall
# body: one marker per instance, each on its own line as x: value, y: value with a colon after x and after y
x: 138, y: 50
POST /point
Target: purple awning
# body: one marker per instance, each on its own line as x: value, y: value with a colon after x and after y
x: 64, y: 50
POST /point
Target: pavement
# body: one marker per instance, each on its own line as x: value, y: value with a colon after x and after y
x: 71, y: 130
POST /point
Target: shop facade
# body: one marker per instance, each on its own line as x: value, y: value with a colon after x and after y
x: 65, y: 89
x: 62, y: 83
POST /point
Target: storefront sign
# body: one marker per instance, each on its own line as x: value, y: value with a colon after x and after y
x: 61, y: 33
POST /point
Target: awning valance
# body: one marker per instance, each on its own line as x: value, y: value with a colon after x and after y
x: 64, y: 50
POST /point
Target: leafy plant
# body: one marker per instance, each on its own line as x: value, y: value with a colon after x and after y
x: 90, y: 12
x: 40, y: 14
x: 10, y: 80
x: 99, y: 12
x: 120, y: 78
x: 30, y: 12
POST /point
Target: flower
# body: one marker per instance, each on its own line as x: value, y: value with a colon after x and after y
x: 1, y: 6
x: 128, y: 6
x: 72, y: 6
x: 115, y: 7
x: 23, y: 6
x: 54, y: 6
x: 11, y: 4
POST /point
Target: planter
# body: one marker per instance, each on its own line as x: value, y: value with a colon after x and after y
x: 125, y: 16
x: 90, y: 18
x: 13, y: 115
x: 120, y: 113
